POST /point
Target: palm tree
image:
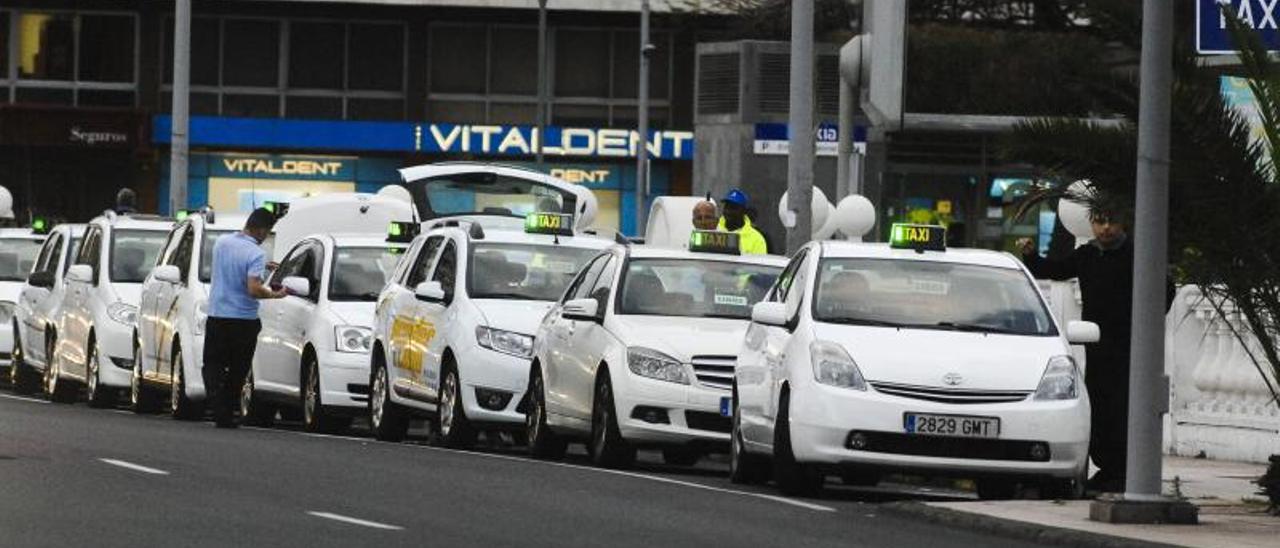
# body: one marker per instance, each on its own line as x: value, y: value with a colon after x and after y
x: 1224, y: 224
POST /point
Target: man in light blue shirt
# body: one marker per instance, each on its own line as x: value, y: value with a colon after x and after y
x: 231, y: 330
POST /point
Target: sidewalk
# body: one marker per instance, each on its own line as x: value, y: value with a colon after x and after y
x: 1231, y: 514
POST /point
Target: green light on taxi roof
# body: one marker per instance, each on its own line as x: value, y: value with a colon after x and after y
x: 38, y: 224
x: 182, y: 215
x: 394, y: 229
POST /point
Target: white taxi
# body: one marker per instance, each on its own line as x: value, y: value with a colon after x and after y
x: 93, y: 343
x: 168, y: 342
x: 19, y: 249
x: 640, y: 351
x: 313, y: 351
x: 454, y: 329
x: 908, y: 357
x: 38, y: 306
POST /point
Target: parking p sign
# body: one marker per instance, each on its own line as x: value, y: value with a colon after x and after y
x: 1213, y: 37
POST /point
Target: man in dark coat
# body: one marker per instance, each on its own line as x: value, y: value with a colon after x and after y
x: 1104, y: 267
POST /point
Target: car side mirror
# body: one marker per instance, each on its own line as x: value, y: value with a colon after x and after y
x: 80, y: 273
x: 587, y: 310
x: 168, y: 273
x: 297, y: 286
x: 430, y: 291
x: 1083, y: 332
x: 770, y: 313
x: 41, y: 279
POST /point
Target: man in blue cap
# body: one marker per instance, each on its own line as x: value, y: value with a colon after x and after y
x: 734, y: 219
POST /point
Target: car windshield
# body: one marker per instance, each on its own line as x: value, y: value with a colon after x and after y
x: 16, y: 257
x: 206, y: 252
x: 487, y: 194
x: 360, y: 272
x: 133, y: 253
x: 524, y: 271
x: 694, y: 288
x: 929, y: 295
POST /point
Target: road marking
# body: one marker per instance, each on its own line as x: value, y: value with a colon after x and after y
x: 20, y: 398
x: 135, y: 467
x: 355, y: 521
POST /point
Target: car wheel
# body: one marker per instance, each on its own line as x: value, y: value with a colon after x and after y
x: 744, y: 468
x: 180, y: 406
x: 607, y: 447
x: 1072, y: 488
x: 997, y: 489
x: 314, y: 416
x: 99, y: 396
x: 451, y: 419
x: 387, y: 420
x: 793, y: 477
x: 59, y: 392
x: 141, y: 398
x: 21, y: 377
x: 254, y: 411
x: 681, y: 456
x: 543, y: 443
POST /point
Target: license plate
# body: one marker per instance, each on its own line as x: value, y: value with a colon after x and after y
x: 961, y: 426
x: 726, y: 407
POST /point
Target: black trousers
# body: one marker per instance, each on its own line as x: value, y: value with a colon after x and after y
x: 228, y: 354
x: 1107, y: 380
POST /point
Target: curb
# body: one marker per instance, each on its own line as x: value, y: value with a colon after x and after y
x: 1013, y: 529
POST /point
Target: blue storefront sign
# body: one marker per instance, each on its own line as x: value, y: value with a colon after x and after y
x: 773, y: 139
x: 1213, y: 35
x: 431, y: 138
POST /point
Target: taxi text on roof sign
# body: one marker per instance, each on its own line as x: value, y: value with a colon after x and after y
x: 402, y: 231
x: 549, y: 223
x: 918, y: 237
x: 711, y: 241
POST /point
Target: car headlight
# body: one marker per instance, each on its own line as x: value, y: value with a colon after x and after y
x: 123, y: 313
x: 202, y: 317
x: 505, y: 342
x: 351, y: 338
x: 833, y: 366
x: 656, y: 365
x: 1061, y: 380
x: 6, y: 312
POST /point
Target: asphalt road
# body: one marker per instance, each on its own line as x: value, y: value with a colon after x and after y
x: 74, y: 476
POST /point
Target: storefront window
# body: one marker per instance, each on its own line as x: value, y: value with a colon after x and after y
x: 513, y: 114
x: 205, y: 42
x: 455, y: 111
x: 458, y: 59
x: 43, y: 96
x: 251, y: 106
x: 375, y: 109
x: 626, y: 64
x: 320, y: 108
x: 582, y: 63
x: 379, y: 50
x: 46, y: 46
x: 106, y: 98
x: 4, y: 51
x: 514, y: 61
x: 252, y: 53
x: 316, y: 55
x: 106, y: 48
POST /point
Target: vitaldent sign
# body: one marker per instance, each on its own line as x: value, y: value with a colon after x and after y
x: 272, y: 166
x: 525, y: 141
x: 1213, y: 36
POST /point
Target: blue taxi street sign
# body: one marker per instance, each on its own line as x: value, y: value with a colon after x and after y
x: 1213, y: 36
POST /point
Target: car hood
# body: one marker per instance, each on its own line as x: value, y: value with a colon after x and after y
x: 517, y: 316
x: 682, y: 338
x: 353, y: 313
x: 127, y: 293
x: 921, y: 357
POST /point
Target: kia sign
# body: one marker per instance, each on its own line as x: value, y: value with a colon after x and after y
x: 1213, y: 35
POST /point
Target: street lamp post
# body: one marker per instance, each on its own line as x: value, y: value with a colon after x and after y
x: 799, y: 221
x: 540, y: 137
x: 642, y: 107
x: 178, y: 138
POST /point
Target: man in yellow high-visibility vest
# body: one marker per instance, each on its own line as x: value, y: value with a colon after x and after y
x: 734, y: 219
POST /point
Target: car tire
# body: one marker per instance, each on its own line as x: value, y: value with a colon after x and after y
x: 681, y: 456
x: 607, y: 448
x: 57, y: 392
x: 141, y: 399
x: 1072, y: 488
x: 181, y: 407
x: 315, y: 418
x: 997, y: 489
x: 98, y: 396
x: 793, y: 478
x: 542, y: 442
x: 744, y: 467
x: 451, y: 419
x: 21, y: 378
x: 254, y: 411
x: 387, y: 419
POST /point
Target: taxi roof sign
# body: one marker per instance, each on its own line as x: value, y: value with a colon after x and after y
x: 918, y: 237
x: 279, y: 209
x: 402, y: 231
x: 39, y: 225
x: 715, y: 241
x: 560, y: 224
